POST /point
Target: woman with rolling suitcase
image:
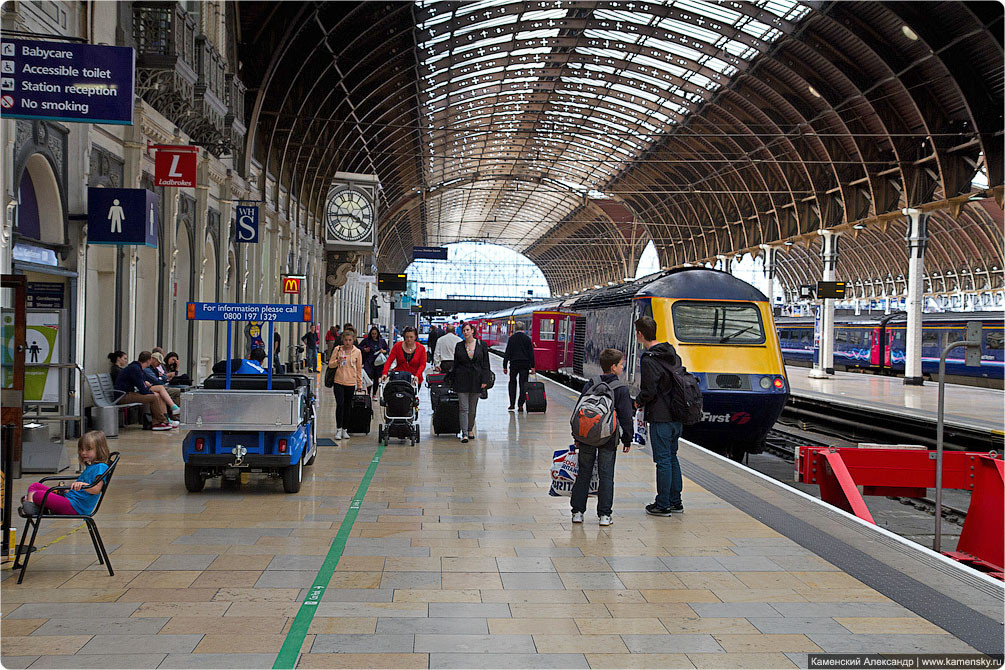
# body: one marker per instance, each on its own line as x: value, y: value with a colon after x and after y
x: 347, y: 361
x: 469, y: 377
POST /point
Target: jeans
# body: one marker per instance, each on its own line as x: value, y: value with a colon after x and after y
x: 515, y: 375
x: 312, y: 359
x: 343, y: 401
x: 664, y: 437
x: 604, y: 457
x: 468, y: 405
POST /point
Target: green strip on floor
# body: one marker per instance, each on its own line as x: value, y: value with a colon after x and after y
x: 288, y: 655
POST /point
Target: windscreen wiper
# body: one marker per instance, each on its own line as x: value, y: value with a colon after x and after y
x: 727, y: 338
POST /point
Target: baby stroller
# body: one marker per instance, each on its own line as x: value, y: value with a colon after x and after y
x: 399, y: 403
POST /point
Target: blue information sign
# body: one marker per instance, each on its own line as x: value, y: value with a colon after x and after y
x: 431, y: 253
x: 246, y: 229
x: 237, y: 311
x: 122, y: 216
x: 82, y: 83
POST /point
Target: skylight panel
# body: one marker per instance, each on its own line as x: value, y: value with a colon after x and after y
x: 527, y: 35
x: 620, y: 15
x: 486, y: 25
x: 712, y: 11
x: 615, y: 35
x: 602, y: 53
x: 545, y: 14
x: 675, y: 70
x: 755, y: 28
x: 472, y: 7
x: 481, y: 44
x: 689, y: 30
x: 652, y: 97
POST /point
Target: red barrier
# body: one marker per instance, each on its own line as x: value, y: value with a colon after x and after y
x: 839, y: 471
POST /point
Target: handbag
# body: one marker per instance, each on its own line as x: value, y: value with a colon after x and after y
x: 490, y: 380
x: 381, y: 359
x: 330, y: 376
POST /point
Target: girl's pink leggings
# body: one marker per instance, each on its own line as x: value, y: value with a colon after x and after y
x: 55, y: 502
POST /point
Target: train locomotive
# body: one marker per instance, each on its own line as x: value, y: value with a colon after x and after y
x: 721, y: 327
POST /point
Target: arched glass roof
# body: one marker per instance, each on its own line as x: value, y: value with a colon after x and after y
x: 533, y: 105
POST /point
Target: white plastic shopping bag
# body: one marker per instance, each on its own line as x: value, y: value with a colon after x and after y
x: 641, y: 429
x: 565, y: 469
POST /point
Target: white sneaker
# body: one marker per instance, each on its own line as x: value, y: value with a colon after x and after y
x: 339, y: 434
x: 577, y: 517
x: 174, y: 424
x: 605, y: 520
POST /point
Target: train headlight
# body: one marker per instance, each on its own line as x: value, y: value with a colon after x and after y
x: 765, y: 383
x: 779, y: 383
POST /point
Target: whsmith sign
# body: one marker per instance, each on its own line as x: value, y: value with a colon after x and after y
x: 81, y: 83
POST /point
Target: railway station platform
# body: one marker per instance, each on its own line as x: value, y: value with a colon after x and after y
x: 969, y: 410
x: 457, y: 557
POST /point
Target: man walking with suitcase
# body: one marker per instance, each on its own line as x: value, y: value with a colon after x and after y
x: 519, y: 359
x: 657, y: 387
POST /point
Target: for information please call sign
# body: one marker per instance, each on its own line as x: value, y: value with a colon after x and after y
x: 82, y: 83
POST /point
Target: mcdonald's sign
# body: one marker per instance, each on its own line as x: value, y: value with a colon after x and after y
x: 291, y: 285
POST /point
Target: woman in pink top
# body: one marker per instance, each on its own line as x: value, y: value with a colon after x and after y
x: 347, y: 361
x: 408, y: 355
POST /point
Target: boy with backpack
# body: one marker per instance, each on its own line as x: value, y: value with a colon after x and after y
x: 603, y: 415
x: 671, y: 398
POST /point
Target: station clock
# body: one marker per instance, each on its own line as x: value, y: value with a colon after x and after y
x: 349, y: 216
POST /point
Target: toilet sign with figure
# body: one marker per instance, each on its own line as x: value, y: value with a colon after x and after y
x: 122, y: 216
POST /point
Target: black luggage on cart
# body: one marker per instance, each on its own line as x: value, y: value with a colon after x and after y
x: 537, y: 400
x: 447, y: 414
x: 436, y: 381
x: 360, y: 414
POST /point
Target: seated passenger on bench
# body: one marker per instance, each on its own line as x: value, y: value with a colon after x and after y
x: 254, y: 365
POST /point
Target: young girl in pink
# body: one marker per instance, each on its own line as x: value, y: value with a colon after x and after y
x: 92, y: 450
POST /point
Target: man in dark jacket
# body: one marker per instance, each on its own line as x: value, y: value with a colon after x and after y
x: 132, y: 383
x: 434, y: 334
x: 519, y: 359
x: 654, y: 396
x: 612, y: 362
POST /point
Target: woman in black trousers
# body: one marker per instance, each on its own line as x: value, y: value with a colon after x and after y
x: 468, y: 377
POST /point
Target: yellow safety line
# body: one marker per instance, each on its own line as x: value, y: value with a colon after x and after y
x: 49, y: 544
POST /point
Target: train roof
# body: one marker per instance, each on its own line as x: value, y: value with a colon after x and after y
x: 701, y: 283
x: 899, y: 319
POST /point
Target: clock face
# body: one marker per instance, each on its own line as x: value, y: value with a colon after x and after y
x: 349, y: 216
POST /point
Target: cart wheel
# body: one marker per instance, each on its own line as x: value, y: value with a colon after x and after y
x: 293, y: 475
x: 417, y: 435
x: 193, y: 480
x: 380, y: 435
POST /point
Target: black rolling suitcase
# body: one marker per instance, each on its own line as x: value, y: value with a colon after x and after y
x: 537, y: 400
x: 436, y: 381
x: 360, y: 414
x: 447, y: 414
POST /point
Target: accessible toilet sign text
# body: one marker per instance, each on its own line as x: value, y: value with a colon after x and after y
x: 81, y: 83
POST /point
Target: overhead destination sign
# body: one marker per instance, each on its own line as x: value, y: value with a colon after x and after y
x: 82, y: 83
x: 231, y: 311
x: 430, y: 253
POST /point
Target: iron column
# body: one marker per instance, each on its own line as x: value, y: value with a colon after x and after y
x: 917, y: 241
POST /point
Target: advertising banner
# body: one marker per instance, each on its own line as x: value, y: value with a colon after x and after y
x: 82, y: 83
x: 246, y: 230
x: 122, y: 216
x: 175, y: 166
x: 41, y: 346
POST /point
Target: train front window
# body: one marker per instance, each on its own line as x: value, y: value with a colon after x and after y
x: 547, y: 330
x: 717, y: 322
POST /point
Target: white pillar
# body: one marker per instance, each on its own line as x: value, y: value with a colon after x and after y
x: 829, y: 256
x: 917, y: 241
x: 132, y: 151
x: 769, y: 272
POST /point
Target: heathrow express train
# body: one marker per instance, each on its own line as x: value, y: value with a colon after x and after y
x: 877, y: 344
x: 721, y: 327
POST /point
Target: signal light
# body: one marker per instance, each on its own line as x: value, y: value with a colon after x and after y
x: 282, y: 446
x: 200, y: 443
x: 779, y: 383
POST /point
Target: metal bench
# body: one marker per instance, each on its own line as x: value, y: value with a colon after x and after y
x: 105, y: 412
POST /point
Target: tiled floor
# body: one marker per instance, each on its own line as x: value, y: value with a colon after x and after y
x: 458, y: 558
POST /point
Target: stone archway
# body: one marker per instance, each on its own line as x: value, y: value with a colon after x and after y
x: 40, y: 209
x: 208, y: 282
